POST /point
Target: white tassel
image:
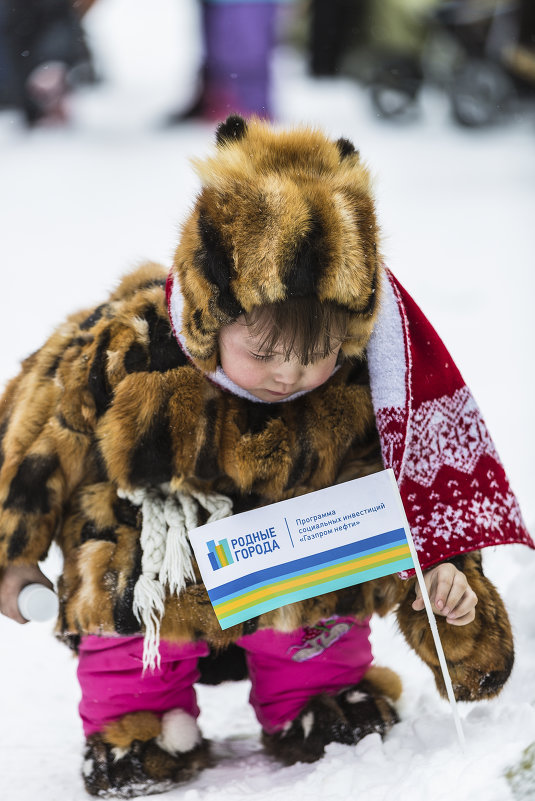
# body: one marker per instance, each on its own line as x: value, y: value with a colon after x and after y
x: 219, y: 506
x: 190, y: 508
x: 177, y: 565
x: 149, y: 606
x: 166, y: 553
x: 149, y: 595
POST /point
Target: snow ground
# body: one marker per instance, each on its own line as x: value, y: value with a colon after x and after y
x: 82, y: 206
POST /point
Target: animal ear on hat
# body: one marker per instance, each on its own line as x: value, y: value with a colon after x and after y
x: 232, y: 130
x: 346, y: 148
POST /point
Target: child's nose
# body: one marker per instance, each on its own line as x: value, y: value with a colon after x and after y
x: 288, y: 372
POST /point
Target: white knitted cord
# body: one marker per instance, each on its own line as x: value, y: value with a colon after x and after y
x: 166, y: 553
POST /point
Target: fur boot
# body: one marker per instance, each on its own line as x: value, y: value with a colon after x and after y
x: 117, y: 766
x: 343, y: 718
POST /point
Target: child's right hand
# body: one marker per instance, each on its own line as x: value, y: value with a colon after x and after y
x: 12, y: 580
x: 450, y: 594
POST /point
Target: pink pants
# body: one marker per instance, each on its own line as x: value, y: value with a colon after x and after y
x: 286, y: 670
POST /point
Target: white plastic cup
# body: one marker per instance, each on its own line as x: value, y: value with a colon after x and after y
x: 38, y: 603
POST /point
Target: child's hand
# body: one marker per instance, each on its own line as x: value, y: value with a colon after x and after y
x: 450, y: 594
x: 12, y: 580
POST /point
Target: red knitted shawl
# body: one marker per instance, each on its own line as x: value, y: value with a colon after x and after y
x: 453, y: 485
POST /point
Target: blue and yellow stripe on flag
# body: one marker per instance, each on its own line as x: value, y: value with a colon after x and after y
x: 264, y: 590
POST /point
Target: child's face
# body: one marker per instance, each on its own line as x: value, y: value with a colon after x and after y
x: 268, y: 376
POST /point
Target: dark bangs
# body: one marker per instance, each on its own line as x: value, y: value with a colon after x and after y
x: 301, y: 327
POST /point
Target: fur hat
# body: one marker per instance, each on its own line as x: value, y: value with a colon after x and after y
x: 280, y: 215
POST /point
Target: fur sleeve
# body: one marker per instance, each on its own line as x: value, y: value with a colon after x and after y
x: 479, y: 655
x: 49, y: 413
x: 42, y: 453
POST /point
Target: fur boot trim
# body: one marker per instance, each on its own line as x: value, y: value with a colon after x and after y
x: 385, y: 681
x: 180, y: 732
x: 142, y: 725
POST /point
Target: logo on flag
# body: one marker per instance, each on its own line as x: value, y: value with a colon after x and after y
x: 219, y: 555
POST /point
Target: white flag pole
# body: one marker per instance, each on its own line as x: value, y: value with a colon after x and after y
x: 432, y: 622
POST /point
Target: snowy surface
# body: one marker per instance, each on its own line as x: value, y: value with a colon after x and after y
x: 82, y: 206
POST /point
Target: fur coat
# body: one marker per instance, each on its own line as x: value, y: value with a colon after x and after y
x: 112, y: 403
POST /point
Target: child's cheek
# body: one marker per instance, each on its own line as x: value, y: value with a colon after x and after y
x: 254, y: 374
x: 245, y: 372
x: 322, y: 374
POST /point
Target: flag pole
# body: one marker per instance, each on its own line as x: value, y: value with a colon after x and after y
x: 432, y: 623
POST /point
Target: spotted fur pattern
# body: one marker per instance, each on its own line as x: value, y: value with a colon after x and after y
x: 111, y: 402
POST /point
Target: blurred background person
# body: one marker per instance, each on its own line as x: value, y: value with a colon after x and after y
x: 42, y: 41
x: 479, y: 53
x: 520, y: 57
x: 239, y: 37
x: 7, y: 80
x: 335, y: 27
x: 349, y: 36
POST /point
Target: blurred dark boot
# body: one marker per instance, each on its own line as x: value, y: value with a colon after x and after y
x: 46, y: 92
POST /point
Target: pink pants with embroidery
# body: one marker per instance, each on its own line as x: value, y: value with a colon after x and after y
x: 286, y: 670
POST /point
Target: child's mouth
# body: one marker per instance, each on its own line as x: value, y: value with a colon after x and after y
x: 278, y: 394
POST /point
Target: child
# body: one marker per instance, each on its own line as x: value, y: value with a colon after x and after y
x: 281, y: 359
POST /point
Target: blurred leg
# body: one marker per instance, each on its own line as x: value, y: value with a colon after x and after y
x: 334, y: 25
x: 239, y: 40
